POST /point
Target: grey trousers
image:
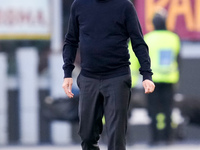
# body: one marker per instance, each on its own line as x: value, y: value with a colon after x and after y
x: 109, y: 97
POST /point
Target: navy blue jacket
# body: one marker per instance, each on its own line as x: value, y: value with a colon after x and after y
x: 101, y: 29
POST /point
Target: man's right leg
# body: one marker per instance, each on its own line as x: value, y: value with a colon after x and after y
x: 90, y: 113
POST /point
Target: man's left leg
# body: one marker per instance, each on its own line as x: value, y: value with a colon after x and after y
x: 116, y: 92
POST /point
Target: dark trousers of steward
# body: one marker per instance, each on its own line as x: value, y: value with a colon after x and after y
x: 109, y: 97
x: 161, y: 102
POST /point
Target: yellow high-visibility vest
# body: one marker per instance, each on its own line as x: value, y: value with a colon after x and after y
x: 164, y: 47
x: 134, y: 66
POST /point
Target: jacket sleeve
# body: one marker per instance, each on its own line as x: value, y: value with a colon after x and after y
x: 139, y: 46
x: 71, y: 43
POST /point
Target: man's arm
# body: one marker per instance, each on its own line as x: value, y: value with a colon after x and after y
x: 69, y: 51
x: 140, y: 47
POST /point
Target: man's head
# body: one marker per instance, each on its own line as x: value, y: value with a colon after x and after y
x: 159, y: 20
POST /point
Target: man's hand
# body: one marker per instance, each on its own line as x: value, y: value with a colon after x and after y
x: 148, y: 86
x: 67, y: 86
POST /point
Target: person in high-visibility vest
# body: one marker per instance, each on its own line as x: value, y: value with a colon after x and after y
x: 164, y: 47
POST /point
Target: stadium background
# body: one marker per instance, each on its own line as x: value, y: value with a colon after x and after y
x: 30, y: 55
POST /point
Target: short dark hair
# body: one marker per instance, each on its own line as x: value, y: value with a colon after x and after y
x: 159, y: 20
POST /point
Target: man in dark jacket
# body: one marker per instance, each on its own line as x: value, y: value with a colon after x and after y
x: 101, y: 29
